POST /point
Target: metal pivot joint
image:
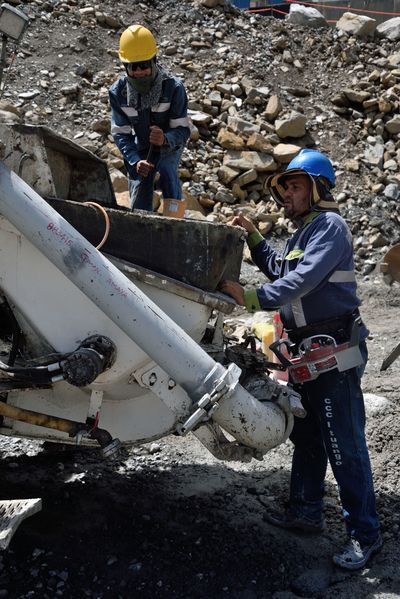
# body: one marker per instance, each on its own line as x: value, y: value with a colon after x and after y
x: 210, y: 402
x: 94, y: 355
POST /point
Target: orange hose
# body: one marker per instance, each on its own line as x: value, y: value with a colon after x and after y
x: 281, y: 12
x: 106, y: 218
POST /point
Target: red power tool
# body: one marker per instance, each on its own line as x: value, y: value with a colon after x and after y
x: 318, y: 354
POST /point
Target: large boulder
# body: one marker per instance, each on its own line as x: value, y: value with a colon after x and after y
x: 292, y: 125
x: 306, y: 16
x: 356, y: 25
x: 259, y: 143
x: 242, y: 127
x: 390, y: 29
x: 229, y: 140
x: 284, y: 153
x: 245, y: 161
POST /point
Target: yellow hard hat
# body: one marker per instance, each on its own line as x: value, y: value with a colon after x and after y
x: 137, y: 44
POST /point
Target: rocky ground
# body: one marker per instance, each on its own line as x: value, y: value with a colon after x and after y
x: 169, y: 520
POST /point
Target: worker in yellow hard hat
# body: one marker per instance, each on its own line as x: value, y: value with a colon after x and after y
x: 149, y: 120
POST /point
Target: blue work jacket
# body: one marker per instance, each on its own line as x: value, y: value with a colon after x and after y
x: 130, y: 127
x: 313, y: 279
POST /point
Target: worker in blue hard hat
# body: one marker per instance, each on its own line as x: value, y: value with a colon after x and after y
x: 319, y: 171
x: 313, y: 284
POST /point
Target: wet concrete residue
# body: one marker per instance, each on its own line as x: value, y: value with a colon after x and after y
x: 73, y: 259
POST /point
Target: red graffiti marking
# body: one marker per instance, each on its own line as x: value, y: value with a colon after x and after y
x: 119, y: 290
x: 86, y: 259
x: 63, y: 237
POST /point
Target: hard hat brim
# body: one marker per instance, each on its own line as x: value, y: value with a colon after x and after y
x: 138, y: 57
x: 275, y: 185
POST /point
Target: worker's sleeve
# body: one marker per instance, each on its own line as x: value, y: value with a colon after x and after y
x: 178, y: 132
x: 121, y: 130
x: 324, y: 251
x: 264, y: 256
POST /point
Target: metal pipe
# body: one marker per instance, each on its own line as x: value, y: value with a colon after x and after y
x: 70, y: 427
x: 256, y: 425
x: 38, y: 419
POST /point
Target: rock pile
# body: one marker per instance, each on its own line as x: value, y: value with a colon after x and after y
x: 259, y: 90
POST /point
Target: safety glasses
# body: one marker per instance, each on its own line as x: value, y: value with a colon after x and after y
x: 138, y: 66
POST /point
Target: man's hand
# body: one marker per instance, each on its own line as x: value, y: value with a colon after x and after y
x: 157, y: 136
x: 242, y: 221
x: 233, y: 289
x: 143, y: 168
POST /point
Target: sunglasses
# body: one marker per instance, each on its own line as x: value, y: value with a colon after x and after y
x: 142, y: 66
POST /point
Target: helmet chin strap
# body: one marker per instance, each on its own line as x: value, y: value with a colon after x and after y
x: 310, y: 198
x: 314, y: 197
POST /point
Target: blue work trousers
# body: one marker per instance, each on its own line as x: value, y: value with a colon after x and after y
x: 141, y: 188
x: 334, y: 429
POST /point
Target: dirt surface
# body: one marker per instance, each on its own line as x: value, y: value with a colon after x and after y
x: 171, y: 521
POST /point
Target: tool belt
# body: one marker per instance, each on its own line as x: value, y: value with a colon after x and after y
x: 321, y: 352
x: 339, y: 328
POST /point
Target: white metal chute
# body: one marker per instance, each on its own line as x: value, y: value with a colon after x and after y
x: 135, y: 317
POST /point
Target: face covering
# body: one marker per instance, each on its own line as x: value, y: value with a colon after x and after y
x: 141, y: 84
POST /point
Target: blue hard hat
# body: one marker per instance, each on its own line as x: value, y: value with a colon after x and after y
x: 315, y: 164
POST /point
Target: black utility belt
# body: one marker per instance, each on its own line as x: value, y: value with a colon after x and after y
x: 339, y: 328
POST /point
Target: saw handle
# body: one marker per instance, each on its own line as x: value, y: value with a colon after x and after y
x: 274, y: 347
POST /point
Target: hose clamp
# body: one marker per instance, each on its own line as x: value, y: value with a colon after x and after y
x: 210, y: 402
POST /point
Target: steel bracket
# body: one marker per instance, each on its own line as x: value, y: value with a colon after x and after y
x: 154, y: 378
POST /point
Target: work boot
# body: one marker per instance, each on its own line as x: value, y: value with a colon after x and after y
x: 355, y: 554
x: 291, y: 521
